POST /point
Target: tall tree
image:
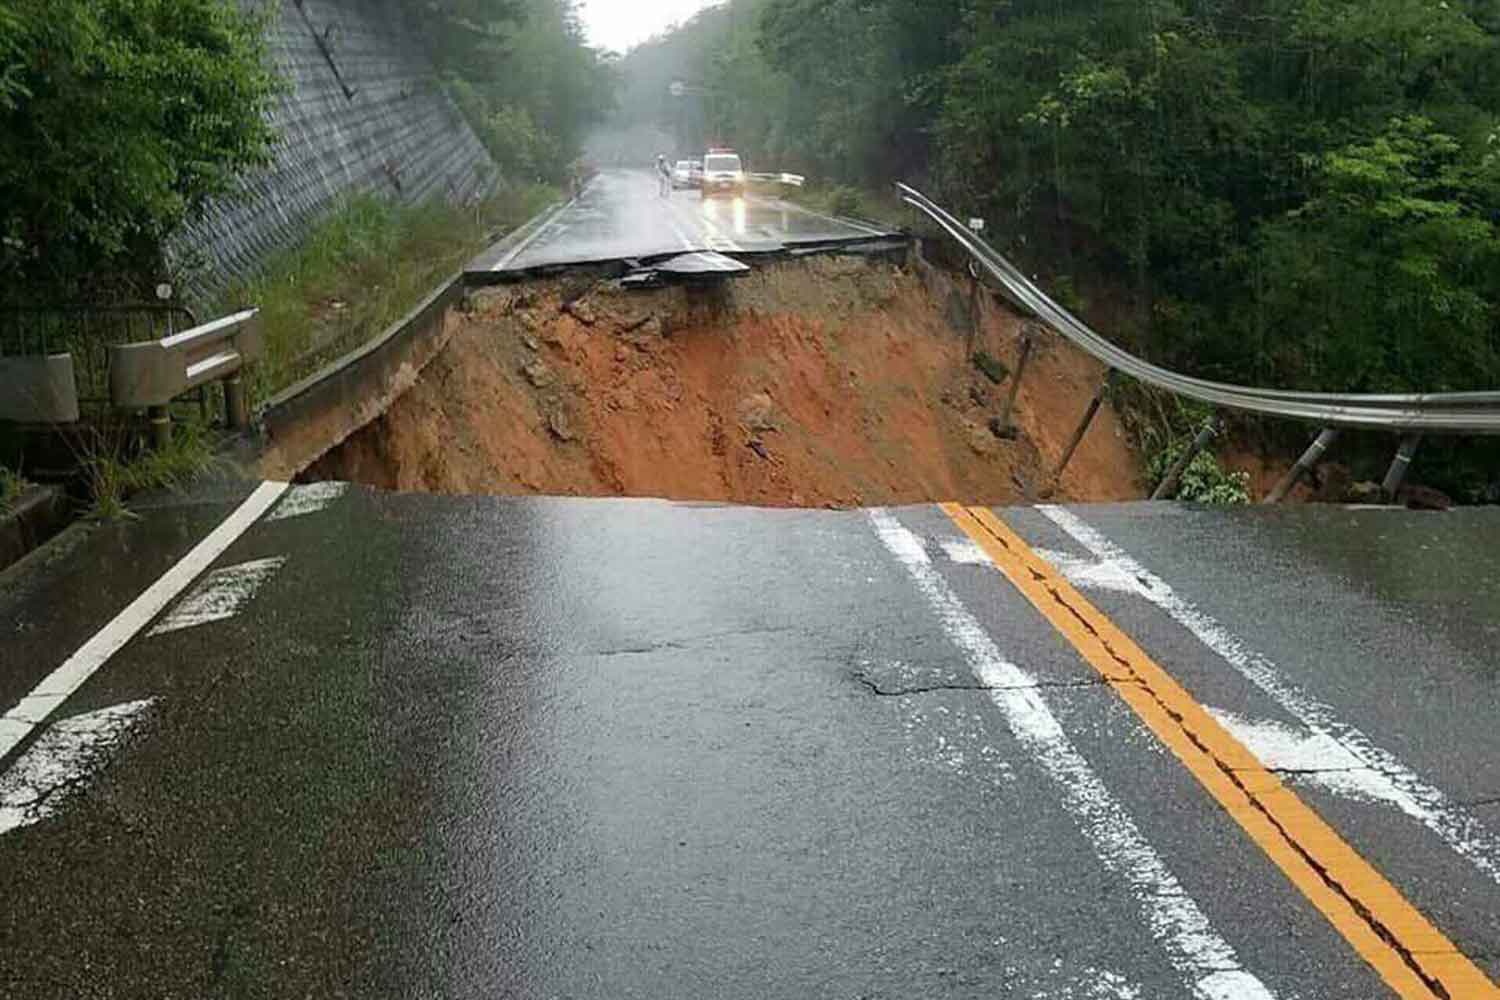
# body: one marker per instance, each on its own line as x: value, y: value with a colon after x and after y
x: 121, y: 119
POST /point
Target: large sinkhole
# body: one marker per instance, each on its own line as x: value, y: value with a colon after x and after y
x: 829, y: 381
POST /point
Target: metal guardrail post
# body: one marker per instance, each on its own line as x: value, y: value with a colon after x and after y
x: 1003, y: 425
x: 1309, y: 458
x: 973, y: 308
x: 1400, y: 465
x: 1100, y: 395
x: 236, y: 413
x: 1167, y: 488
x: 160, y: 419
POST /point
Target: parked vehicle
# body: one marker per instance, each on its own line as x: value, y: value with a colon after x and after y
x: 723, y: 173
x: 682, y: 176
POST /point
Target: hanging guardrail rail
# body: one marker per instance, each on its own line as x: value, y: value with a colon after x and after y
x: 1411, y: 415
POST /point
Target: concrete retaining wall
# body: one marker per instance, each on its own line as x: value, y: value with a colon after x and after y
x: 367, y: 116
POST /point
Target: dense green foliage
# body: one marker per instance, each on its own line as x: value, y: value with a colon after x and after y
x: 524, y: 77
x: 120, y: 119
x: 1298, y: 192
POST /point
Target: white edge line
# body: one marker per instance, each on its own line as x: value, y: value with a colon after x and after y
x: 1414, y: 795
x: 1194, y: 948
x: 55, y: 688
x: 819, y: 215
x: 524, y: 244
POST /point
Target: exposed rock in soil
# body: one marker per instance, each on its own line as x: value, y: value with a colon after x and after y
x: 538, y: 374
x: 814, y: 383
x: 757, y: 412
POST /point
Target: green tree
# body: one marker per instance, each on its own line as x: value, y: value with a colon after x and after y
x: 523, y: 75
x: 1391, y: 269
x: 122, y: 118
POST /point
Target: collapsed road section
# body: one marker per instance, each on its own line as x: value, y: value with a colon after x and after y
x: 835, y: 380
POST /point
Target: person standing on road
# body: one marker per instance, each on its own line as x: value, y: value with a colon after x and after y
x: 663, y: 176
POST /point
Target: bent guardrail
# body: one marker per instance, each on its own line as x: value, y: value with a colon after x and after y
x: 150, y: 375
x: 1411, y: 415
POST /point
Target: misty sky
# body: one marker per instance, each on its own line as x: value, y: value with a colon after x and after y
x: 619, y: 24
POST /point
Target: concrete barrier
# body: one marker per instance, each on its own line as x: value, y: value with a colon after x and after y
x: 310, y: 419
x: 40, y: 513
x: 38, y: 389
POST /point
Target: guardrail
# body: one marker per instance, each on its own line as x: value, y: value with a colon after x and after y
x: 791, y: 180
x: 54, y: 364
x: 1410, y: 415
x: 150, y: 375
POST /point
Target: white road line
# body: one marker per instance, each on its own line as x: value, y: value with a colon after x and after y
x: 55, y: 688
x: 964, y: 552
x: 308, y: 499
x: 1426, y: 803
x: 221, y: 595
x: 716, y: 236
x: 687, y: 244
x: 1194, y: 948
x: 793, y: 206
x: 516, y: 250
x: 60, y: 762
x: 1309, y: 758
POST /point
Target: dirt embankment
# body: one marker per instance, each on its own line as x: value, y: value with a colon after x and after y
x: 826, y: 382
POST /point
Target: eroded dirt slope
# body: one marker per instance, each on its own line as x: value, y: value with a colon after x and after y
x: 831, y: 381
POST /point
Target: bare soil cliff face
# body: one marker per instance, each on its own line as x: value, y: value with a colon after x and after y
x: 826, y: 382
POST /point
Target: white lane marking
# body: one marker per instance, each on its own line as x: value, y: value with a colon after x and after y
x: 717, y: 240
x: 1085, y: 573
x: 61, y: 762
x: 794, y: 207
x: 516, y: 250
x: 687, y: 244
x: 1093, y: 984
x: 1311, y: 758
x: 221, y: 595
x: 1426, y: 803
x: 308, y: 499
x: 1089, y: 573
x: 55, y: 688
x: 713, y: 237
x: 1192, y: 945
x: 964, y: 552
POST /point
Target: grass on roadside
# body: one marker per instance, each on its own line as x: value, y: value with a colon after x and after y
x: 360, y: 270
x: 116, y: 466
x: 880, y: 206
x: 12, y: 485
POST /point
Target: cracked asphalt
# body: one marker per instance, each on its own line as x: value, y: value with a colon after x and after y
x: 478, y: 747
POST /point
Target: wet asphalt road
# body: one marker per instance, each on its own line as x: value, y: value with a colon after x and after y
x: 621, y: 215
x: 563, y: 748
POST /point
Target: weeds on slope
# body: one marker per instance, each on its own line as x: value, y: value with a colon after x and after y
x: 116, y: 465
x: 12, y: 485
x: 360, y: 270
x: 849, y: 202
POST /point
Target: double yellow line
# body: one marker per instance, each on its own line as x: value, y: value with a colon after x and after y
x: 1403, y: 946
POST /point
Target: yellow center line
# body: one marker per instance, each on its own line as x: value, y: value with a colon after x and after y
x: 1403, y: 946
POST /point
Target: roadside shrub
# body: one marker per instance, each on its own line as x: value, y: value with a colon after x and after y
x: 1204, y: 480
x: 844, y: 200
x: 11, y: 487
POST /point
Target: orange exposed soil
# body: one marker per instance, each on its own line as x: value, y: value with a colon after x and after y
x: 830, y: 381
